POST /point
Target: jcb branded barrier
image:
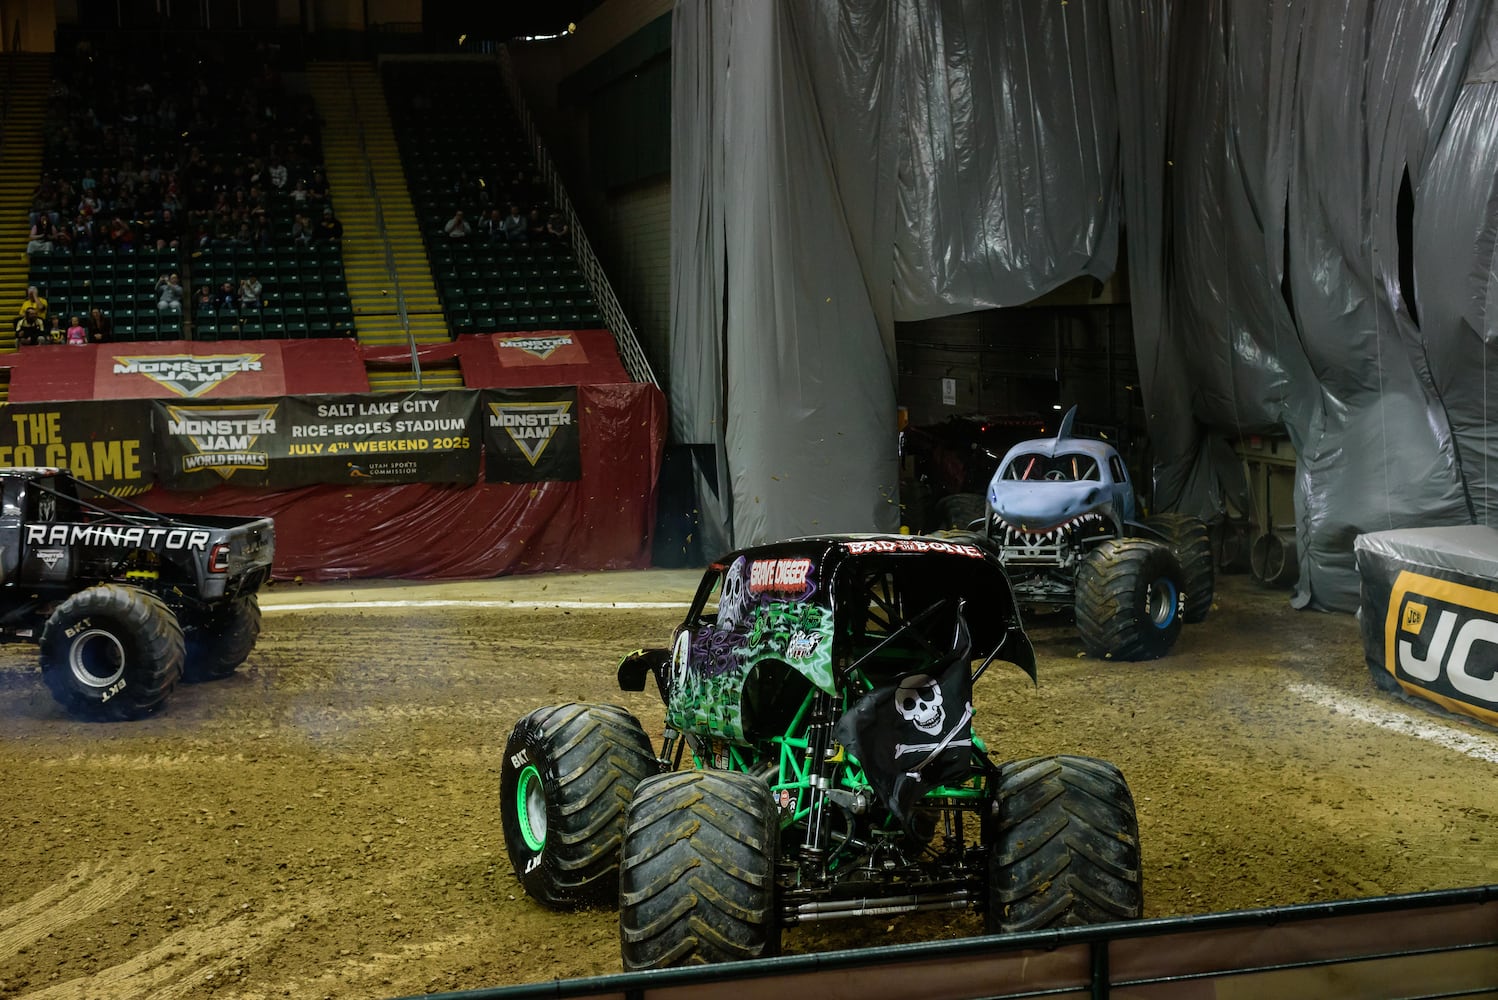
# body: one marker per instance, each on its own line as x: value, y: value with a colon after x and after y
x: 1430, y: 615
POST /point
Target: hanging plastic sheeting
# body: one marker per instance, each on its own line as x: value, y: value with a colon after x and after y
x: 776, y: 357
x: 838, y: 166
x: 1456, y: 276
x: 1280, y: 251
x: 1311, y: 209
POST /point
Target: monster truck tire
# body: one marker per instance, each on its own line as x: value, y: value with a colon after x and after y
x: 219, y: 640
x: 698, y: 880
x: 960, y: 510
x: 568, y: 774
x: 1063, y: 846
x: 1192, y: 544
x: 111, y: 652
x: 1127, y: 602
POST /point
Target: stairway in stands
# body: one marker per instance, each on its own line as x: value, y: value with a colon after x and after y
x: 365, y: 182
x: 26, y: 78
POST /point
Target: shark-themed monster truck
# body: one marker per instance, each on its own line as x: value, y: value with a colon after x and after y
x: 821, y: 760
x: 1063, y: 518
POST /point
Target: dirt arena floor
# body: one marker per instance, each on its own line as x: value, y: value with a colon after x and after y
x: 325, y: 824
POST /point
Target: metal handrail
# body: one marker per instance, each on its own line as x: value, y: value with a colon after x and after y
x: 764, y: 974
x: 635, y: 362
x: 374, y: 193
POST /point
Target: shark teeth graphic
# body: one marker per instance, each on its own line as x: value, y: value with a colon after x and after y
x: 1024, y: 537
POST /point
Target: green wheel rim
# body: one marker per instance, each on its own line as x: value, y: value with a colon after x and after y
x: 530, y: 806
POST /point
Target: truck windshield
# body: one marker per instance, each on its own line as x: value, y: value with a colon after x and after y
x: 1074, y: 468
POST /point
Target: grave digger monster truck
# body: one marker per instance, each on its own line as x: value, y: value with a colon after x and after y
x: 820, y: 761
x: 122, y: 600
x: 1063, y: 519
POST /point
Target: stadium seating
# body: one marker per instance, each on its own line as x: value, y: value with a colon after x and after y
x: 304, y: 293
x: 462, y: 148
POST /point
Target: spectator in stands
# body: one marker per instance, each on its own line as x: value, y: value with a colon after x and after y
x: 41, y: 235
x: 299, y: 193
x: 226, y: 299
x: 301, y: 230
x: 457, y: 227
x: 83, y: 233
x: 169, y: 292
x: 556, y: 228
x: 77, y: 335
x: 328, y: 227
x: 121, y: 236
x: 202, y: 302
x: 98, y: 325
x: 34, y: 302
x: 250, y: 290
x: 276, y: 174
x: 513, y: 226
x: 491, y: 226
x: 55, y: 333
x: 535, y: 227
x: 29, y: 329
x: 167, y: 230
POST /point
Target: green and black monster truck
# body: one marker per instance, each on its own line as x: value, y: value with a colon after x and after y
x: 819, y: 761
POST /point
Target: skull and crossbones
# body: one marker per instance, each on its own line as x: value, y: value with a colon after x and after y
x: 918, y: 700
x: 733, y: 603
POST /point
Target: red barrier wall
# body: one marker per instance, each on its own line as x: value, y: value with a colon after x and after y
x: 422, y: 531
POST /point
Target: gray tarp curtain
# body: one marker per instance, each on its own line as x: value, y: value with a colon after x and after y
x: 1310, y: 201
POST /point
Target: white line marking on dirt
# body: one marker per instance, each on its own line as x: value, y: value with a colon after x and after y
x: 1471, y: 744
x: 483, y: 603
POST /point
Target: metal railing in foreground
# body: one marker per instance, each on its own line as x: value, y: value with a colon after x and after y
x: 1424, y: 945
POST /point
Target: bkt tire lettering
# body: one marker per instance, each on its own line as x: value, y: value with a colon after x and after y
x: 70, y: 632
x: 519, y: 760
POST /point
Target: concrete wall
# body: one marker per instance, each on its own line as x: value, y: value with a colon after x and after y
x: 37, y: 20
x: 630, y: 228
x: 637, y: 226
x: 1024, y: 360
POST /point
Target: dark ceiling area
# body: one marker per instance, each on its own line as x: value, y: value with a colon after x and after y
x: 503, y: 20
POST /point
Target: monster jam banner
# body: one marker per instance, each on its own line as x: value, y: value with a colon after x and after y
x: 1429, y: 615
x: 137, y: 370
x: 916, y: 734
x: 531, y: 435
x: 417, y: 437
x: 529, y: 350
x: 105, y: 442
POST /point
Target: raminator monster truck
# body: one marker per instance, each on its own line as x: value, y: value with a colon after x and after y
x: 123, y: 600
x: 819, y: 761
x: 1063, y: 519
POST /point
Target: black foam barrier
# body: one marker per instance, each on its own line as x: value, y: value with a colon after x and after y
x: 1429, y: 615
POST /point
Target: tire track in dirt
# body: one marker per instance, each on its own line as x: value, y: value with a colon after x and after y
x: 176, y: 966
x: 192, y: 958
x: 363, y: 976
x: 85, y: 891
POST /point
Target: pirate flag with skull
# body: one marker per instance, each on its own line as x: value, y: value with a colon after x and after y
x: 917, y: 733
